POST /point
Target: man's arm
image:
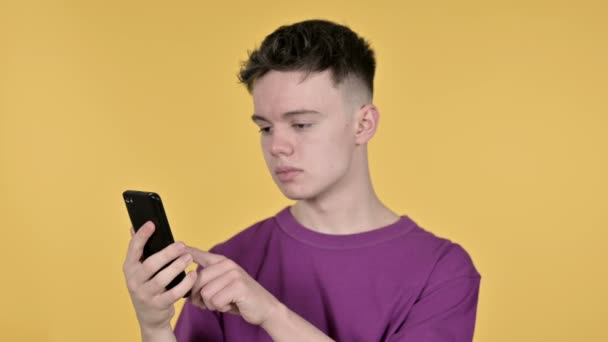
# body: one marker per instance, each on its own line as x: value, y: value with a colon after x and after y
x: 285, y: 325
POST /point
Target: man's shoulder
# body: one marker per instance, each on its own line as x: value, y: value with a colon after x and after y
x: 447, y: 256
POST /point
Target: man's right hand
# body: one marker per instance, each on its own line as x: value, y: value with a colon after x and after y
x: 152, y: 302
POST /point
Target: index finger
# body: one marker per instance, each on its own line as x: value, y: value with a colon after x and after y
x: 136, y: 245
x: 204, y: 258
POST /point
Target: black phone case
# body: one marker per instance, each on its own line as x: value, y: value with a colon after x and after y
x: 147, y: 206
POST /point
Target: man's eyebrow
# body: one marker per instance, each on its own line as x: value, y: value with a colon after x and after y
x: 257, y: 117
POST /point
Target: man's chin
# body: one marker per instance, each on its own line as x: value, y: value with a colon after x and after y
x: 294, y: 197
x: 295, y: 194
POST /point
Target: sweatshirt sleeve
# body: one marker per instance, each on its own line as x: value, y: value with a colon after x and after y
x: 196, y: 324
x: 446, y: 308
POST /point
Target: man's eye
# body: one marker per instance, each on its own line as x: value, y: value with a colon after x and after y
x: 264, y: 130
x: 301, y: 126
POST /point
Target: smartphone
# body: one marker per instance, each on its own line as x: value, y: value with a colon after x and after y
x: 146, y: 206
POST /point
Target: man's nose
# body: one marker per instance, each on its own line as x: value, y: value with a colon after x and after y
x: 280, y: 144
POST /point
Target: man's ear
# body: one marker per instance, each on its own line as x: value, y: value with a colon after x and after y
x: 366, y: 123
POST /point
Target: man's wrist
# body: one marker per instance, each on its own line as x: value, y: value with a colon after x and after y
x: 278, y: 315
x: 157, y: 334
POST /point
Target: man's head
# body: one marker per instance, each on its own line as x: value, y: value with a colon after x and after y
x: 312, y: 85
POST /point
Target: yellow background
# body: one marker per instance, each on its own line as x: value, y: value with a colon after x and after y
x: 493, y: 134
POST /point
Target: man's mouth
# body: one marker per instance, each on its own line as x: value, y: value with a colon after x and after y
x: 286, y: 173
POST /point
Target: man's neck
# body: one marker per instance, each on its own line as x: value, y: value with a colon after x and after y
x: 346, y: 214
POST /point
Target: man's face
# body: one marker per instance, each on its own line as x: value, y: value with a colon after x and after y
x: 307, y: 132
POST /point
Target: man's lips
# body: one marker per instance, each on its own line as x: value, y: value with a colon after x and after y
x: 286, y: 174
x: 285, y: 169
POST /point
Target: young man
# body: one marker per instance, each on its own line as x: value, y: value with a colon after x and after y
x: 338, y: 264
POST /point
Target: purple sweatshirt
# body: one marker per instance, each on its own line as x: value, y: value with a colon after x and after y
x: 395, y: 283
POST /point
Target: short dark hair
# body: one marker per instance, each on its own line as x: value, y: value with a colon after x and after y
x: 312, y: 46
